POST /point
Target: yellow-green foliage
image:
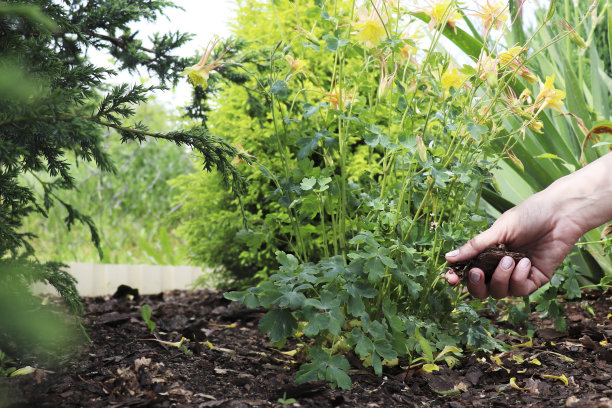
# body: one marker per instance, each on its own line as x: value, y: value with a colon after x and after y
x: 242, y: 117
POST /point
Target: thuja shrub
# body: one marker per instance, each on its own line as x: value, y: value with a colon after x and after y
x: 55, y: 106
x: 385, y: 146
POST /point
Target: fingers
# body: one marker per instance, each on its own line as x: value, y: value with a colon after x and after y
x: 452, y: 278
x: 474, y: 246
x: 476, y: 284
x: 500, y: 282
x: 521, y: 283
x: 507, y: 280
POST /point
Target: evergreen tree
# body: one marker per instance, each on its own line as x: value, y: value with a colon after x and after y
x: 56, y: 105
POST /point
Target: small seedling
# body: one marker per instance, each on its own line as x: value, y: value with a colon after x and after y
x: 7, y: 366
x: 186, y: 350
x: 145, y: 312
x: 429, y: 360
x: 284, y: 401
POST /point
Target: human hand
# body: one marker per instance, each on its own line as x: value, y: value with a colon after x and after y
x: 536, y: 227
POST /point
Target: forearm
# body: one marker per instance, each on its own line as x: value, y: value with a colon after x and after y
x: 585, y: 196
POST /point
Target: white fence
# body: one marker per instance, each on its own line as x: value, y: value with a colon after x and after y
x: 103, y: 279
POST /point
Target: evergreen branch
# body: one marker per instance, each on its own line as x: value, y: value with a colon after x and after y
x: 118, y: 42
x: 215, y: 151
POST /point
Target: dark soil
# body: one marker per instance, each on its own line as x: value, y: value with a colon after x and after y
x: 486, y: 261
x: 232, y: 365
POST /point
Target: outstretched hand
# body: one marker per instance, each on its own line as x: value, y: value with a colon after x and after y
x: 534, y: 227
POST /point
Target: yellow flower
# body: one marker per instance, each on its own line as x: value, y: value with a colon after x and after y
x: 453, y: 78
x: 297, y: 65
x: 510, y: 58
x: 370, y: 28
x: 493, y: 15
x: 549, y: 97
x: 437, y: 11
x: 510, y: 55
x: 338, y: 98
x: 198, y: 74
x: 536, y: 126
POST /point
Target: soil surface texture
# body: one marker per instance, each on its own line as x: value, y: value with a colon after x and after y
x: 229, y: 363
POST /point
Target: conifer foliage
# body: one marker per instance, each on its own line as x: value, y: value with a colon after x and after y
x: 55, y: 105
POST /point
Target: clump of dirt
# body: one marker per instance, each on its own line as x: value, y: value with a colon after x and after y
x: 487, y: 261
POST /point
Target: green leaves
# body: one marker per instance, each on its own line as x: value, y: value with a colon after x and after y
x: 373, y: 345
x: 308, y: 183
x: 288, y: 262
x: 331, y: 368
x: 279, y: 89
x: 278, y: 323
x: 334, y: 43
x: 145, y: 312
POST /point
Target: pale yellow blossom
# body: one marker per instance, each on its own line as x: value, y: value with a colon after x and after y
x: 549, y: 97
x: 453, y: 78
x: 510, y: 59
x: 487, y: 69
x: 241, y: 152
x: 198, y: 74
x: 536, y: 126
x: 338, y: 98
x: 437, y: 10
x: 386, y: 79
x: 370, y: 27
x: 409, y: 48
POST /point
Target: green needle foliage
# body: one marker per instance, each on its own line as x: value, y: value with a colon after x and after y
x: 55, y: 107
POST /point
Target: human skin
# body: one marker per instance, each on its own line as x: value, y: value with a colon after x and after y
x: 545, y: 226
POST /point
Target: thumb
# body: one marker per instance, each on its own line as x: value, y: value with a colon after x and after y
x: 474, y: 246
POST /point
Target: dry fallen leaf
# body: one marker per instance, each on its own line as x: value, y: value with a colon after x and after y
x: 561, y: 378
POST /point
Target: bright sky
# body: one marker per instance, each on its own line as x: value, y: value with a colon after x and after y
x: 204, y: 18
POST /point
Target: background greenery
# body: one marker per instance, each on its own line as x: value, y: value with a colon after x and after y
x: 131, y: 208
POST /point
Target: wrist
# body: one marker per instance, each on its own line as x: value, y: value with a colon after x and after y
x: 583, y: 198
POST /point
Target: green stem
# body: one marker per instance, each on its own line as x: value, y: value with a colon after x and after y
x: 418, y: 212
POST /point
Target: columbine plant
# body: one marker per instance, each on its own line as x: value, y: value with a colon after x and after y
x: 383, y: 159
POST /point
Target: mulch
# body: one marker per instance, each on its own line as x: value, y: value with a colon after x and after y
x: 229, y: 363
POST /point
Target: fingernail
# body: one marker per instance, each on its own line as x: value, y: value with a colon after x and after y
x: 506, y: 262
x: 453, y: 253
x: 524, y: 263
x: 474, y: 277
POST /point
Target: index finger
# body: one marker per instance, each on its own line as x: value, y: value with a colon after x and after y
x: 474, y: 246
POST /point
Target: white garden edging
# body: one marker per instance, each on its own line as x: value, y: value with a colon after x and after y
x: 103, y: 279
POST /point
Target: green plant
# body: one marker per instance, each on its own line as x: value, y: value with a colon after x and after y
x: 285, y: 402
x: 145, y: 312
x: 367, y: 241
x: 7, y: 366
x: 131, y: 207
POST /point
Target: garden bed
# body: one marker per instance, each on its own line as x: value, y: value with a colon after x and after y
x: 232, y: 365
